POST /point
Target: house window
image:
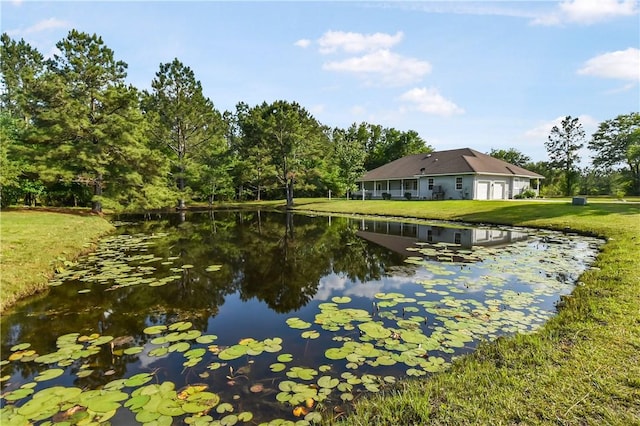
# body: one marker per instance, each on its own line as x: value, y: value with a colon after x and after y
x: 414, y: 185
x: 378, y: 187
x: 457, y: 237
x: 429, y: 235
x: 430, y: 183
x: 458, y: 183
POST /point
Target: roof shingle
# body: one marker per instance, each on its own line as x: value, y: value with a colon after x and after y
x: 455, y: 161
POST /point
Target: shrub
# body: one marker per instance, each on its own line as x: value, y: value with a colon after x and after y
x: 386, y: 196
x: 407, y: 195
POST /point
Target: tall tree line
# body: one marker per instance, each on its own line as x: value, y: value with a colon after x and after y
x: 74, y: 133
x: 615, y: 158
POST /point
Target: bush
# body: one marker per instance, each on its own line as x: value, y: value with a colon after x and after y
x: 407, y: 195
x: 527, y: 193
x: 386, y: 196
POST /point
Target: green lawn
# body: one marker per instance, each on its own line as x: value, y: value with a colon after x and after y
x: 581, y: 368
x: 34, y: 242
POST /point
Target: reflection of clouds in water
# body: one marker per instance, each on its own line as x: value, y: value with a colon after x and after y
x: 330, y: 283
x: 145, y: 360
x: 339, y: 285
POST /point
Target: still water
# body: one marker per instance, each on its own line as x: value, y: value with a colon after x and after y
x: 258, y: 317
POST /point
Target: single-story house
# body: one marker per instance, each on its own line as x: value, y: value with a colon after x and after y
x: 457, y: 174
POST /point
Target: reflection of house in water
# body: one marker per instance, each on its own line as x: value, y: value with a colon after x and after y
x: 399, y: 237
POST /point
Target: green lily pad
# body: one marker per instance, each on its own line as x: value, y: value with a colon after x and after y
x: 154, y: 329
x: 298, y: 323
x: 49, y: 374
x: 374, y: 330
x: 233, y: 352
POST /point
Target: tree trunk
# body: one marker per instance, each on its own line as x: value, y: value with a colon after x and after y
x: 97, y: 192
x: 181, y: 204
x: 289, y: 190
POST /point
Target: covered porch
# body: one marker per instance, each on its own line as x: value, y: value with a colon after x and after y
x: 391, y: 188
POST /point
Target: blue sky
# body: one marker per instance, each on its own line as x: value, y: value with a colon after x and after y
x: 462, y: 74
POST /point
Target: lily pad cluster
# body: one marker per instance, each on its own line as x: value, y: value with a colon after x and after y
x: 123, y: 261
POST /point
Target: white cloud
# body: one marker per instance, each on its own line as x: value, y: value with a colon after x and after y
x: 588, y: 11
x: 304, y: 43
x: 44, y: 25
x: 350, y: 42
x: 430, y: 101
x: 382, y: 67
x: 621, y: 64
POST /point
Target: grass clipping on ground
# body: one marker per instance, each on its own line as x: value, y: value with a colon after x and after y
x: 582, y: 367
x: 34, y: 243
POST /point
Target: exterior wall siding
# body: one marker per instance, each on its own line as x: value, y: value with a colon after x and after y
x: 474, y: 187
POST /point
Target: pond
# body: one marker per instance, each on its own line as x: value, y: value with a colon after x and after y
x: 261, y: 317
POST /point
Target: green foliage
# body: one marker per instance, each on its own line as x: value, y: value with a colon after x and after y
x: 512, y: 156
x: 616, y: 143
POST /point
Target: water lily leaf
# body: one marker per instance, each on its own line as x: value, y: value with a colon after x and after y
x: 138, y: 380
x: 224, y: 408
x: 233, y: 352
x: 285, y: 358
x: 374, y: 330
x: 179, y: 347
x: 343, y: 299
x: 180, y: 326
x: 105, y: 402
x: 336, y: 353
x: 302, y: 373
x: 187, y: 266
x: 313, y: 417
x: 312, y: 334
x: 133, y: 350
x: 245, y: 416
x: 298, y: 323
x: 346, y: 397
x: 229, y: 420
x: 102, y: 340
x: 18, y: 394
x: 154, y: 329
x: 328, y: 382
x: 49, y: 374
x: 277, y: 367
x: 206, y: 339
x: 195, y: 353
x: 137, y: 402
x: 159, y: 352
x: 213, y: 268
x: 20, y: 347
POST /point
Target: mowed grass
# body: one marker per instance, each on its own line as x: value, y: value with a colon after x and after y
x: 34, y: 242
x: 581, y: 368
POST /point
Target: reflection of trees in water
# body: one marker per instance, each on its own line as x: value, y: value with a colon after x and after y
x: 275, y: 258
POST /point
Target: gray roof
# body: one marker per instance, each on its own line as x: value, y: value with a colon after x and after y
x: 451, y: 162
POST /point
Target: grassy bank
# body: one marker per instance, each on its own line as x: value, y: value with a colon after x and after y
x: 582, y: 367
x: 34, y: 242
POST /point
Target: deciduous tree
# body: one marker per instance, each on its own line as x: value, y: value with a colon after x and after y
x: 616, y: 143
x: 512, y: 156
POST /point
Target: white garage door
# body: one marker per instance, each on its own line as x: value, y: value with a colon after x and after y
x: 483, y: 190
x: 498, y: 191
